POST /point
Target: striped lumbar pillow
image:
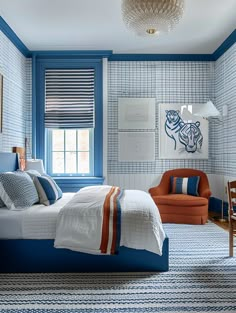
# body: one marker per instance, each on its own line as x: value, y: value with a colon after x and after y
x: 48, y: 190
x: 185, y: 185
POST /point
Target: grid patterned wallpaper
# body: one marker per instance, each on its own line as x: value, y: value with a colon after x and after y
x: 224, y: 148
x: 168, y: 82
x: 177, y: 82
x: 16, y: 71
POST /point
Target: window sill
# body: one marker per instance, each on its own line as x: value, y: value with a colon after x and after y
x: 73, y: 184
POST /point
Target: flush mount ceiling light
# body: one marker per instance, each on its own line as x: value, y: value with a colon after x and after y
x: 149, y: 17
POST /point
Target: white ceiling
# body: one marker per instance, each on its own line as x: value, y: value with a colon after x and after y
x: 98, y: 25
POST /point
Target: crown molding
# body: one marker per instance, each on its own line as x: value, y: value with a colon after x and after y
x: 161, y: 57
x: 228, y: 43
x: 72, y: 53
x: 11, y: 35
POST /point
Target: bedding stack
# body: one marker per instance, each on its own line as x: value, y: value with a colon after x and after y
x: 20, y: 190
x: 29, y: 205
x: 95, y: 220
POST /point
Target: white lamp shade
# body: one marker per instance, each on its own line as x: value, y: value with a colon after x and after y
x: 208, y: 110
x: 186, y: 115
x: 35, y: 164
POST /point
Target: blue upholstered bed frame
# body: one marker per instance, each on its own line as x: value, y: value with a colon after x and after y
x: 28, y: 255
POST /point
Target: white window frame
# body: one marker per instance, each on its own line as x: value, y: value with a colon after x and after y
x: 50, y: 151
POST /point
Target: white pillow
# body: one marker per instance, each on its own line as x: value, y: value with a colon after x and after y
x: 33, y: 173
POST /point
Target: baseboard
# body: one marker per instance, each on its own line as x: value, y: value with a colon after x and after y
x: 215, y: 205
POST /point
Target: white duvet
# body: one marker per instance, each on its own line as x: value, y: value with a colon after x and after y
x: 79, y: 222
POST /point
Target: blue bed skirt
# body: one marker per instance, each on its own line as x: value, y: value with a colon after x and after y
x: 25, y: 256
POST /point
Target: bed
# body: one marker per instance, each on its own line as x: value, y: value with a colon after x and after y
x: 39, y: 255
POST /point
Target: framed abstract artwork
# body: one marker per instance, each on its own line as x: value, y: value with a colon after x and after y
x: 1, y: 100
x: 136, y: 113
x: 136, y: 146
x: 182, y: 135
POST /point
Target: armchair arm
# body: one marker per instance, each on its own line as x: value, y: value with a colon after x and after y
x: 158, y: 190
x: 206, y: 193
x: 162, y: 188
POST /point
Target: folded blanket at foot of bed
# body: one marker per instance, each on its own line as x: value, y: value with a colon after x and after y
x: 99, y: 219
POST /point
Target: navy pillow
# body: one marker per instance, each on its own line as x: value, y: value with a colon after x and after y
x: 185, y: 185
x: 48, y: 190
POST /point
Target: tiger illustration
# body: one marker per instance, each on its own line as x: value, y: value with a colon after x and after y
x: 191, y: 137
x: 173, y: 124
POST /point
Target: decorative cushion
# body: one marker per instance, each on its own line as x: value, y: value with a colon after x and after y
x: 32, y: 173
x: 48, y: 190
x: 180, y: 200
x: 17, y: 190
x: 185, y: 185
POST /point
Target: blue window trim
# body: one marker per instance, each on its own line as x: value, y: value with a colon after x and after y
x: 39, y: 65
x: 73, y: 184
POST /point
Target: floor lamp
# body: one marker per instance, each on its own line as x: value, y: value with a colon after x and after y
x: 210, y: 112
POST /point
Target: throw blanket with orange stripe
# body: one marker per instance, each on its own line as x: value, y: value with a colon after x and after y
x: 91, y: 221
x: 111, y: 227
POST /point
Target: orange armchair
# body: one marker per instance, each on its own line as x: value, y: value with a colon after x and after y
x: 181, y: 208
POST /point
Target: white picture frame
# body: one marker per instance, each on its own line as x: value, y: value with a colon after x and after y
x: 136, y: 113
x: 182, y: 135
x: 136, y: 146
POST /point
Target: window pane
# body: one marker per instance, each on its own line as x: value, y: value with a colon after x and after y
x: 58, y: 140
x: 83, y: 140
x: 70, y: 162
x: 70, y: 140
x: 83, y: 162
x: 58, y: 162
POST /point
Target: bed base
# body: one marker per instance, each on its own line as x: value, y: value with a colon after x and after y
x: 34, y: 256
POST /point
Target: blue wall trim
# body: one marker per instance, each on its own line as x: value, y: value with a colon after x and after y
x: 215, y: 205
x: 73, y: 53
x: 11, y: 35
x: 6, y: 29
x: 34, y: 100
x: 161, y: 57
x: 225, y: 45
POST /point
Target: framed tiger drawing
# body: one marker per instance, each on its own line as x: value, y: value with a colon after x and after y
x: 182, y: 135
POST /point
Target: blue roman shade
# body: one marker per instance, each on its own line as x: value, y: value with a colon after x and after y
x: 69, y: 98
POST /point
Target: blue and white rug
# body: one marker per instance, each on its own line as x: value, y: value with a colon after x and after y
x: 201, y: 279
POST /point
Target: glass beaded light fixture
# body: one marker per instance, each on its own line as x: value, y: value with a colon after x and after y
x: 149, y: 17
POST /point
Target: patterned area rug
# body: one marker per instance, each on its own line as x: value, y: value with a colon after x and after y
x: 201, y: 279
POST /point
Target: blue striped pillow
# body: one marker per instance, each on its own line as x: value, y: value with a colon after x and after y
x: 185, y: 185
x: 48, y: 190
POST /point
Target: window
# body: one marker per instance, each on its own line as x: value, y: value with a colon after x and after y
x: 61, y: 109
x: 69, y: 118
x: 71, y: 152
